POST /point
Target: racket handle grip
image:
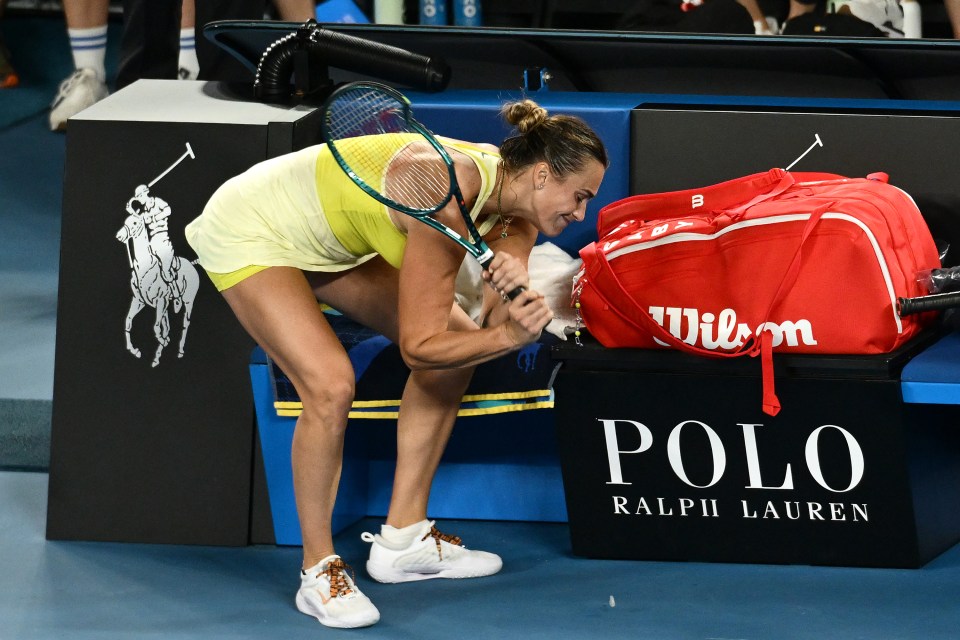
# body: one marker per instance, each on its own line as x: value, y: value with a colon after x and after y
x: 485, y: 259
x: 513, y: 294
x: 908, y: 306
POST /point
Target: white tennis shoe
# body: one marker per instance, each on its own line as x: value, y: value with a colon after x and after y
x: 81, y: 89
x: 329, y: 594
x: 431, y: 555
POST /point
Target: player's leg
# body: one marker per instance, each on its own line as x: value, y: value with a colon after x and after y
x: 409, y: 547
x: 431, y: 398
x: 412, y: 549
x: 428, y: 411
x: 278, y: 309
x: 280, y: 312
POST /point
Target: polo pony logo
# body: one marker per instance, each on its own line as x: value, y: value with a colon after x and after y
x: 158, y: 277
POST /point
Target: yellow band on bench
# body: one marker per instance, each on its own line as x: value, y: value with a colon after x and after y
x: 472, y: 405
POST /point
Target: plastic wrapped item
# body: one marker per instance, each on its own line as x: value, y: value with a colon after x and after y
x: 943, y: 249
x: 940, y: 280
x: 943, y: 279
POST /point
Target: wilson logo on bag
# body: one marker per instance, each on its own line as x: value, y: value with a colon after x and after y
x: 723, y: 331
x: 792, y: 262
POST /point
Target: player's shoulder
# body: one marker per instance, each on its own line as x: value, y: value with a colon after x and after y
x: 487, y: 148
x: 481, y: 147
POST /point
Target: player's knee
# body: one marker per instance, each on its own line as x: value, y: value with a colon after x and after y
x: 449, y: 384
x: 329, y: 400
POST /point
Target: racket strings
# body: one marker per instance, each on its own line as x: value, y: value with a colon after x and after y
x: 405, y: 168
x: 420, y: 182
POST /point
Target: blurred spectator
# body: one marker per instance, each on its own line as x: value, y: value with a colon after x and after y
x: 8, y: 76
x: 885, y: 15
x: 859, y: 18
x: 295, y: 10
x: 696, y: 16
x: 802, y: 7
x: 145, y: 52
x: 161, y: 39
x: 87, y: 31
x: 151, y: 47
x: 953, y: 13
x: 150, y: 43
x: 189, y: 65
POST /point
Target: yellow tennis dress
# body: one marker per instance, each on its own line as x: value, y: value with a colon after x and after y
x: 301, y: 210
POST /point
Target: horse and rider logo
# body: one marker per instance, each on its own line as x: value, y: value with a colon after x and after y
x: 158, y: 277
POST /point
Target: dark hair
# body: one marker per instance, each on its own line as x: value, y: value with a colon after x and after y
x: 564, y: 142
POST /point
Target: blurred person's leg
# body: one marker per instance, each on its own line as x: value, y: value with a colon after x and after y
x: 953, y: 13
x: 801, y: 7
x: 87, y: 30
x: 296, y: 10
x: 189, y: 66
x: 215, y: 63
x: 150, y: 46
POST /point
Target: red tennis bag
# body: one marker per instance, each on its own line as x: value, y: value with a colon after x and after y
x: 776, y: 261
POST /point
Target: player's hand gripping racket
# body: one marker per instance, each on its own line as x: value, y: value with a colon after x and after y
x: 371, y: 131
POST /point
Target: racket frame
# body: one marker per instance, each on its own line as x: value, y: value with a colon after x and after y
x: 478, y: 247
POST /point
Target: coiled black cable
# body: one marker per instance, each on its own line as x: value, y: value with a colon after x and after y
x: 329, y: 48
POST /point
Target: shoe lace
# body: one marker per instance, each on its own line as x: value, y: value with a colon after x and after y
x: 67, y: 86
x: 441, y: 537
x: 336, y: 572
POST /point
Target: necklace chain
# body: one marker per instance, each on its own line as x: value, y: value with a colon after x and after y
x: 504, y: 221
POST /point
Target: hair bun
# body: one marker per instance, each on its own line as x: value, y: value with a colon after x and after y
x: 564, y: 142
x: 524, y: 115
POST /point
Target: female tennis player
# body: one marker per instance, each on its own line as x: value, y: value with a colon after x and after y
x: 294, y: 230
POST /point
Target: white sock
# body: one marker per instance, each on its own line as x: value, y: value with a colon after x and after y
x: 401, y: 538
x: 188, y: 53
x: 89, y: 48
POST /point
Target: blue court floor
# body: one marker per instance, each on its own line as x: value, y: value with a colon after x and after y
x: 78, y: 590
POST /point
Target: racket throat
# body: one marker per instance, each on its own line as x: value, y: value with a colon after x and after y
x: 485, y: 258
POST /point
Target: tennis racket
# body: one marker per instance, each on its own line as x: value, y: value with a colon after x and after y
x: 934, y: 302
x: 371, y: 131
